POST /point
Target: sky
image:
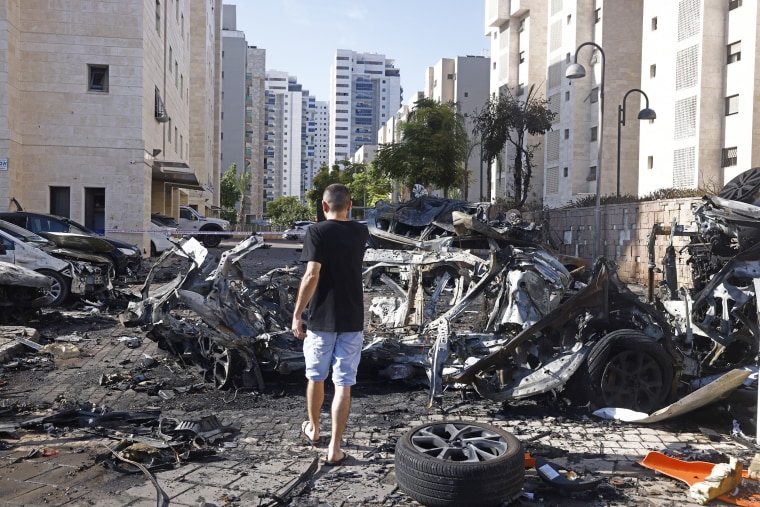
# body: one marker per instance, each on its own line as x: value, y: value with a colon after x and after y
x: 301, y: 36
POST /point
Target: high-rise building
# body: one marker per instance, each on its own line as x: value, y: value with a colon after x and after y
x: 112, y: 112
x: 255, y: 159
x: 464, y: 81
x: 234, y: 60
x: 294, y: 126
x: 365, y: 90
x: 682, y: 59
x: 699, y: 70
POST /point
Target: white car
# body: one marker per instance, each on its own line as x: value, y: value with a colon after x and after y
x: 24, y: 248
x: 160, y: 238
x: 298, y: 231
x: 190, y: 221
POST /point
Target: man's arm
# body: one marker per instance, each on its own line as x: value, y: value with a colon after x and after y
x: 305, y: 293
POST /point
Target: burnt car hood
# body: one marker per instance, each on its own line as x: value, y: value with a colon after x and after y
x: 11, y: 274
x: 79, y: 242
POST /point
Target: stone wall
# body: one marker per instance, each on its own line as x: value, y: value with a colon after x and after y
x: 625, y: 234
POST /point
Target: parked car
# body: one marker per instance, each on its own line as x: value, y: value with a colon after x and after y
x: 190, y: 220
x: 24, y: 248
x: 159, y: 237
x: 126, y: 258
x: 298, y: 231
x: 164, y: 220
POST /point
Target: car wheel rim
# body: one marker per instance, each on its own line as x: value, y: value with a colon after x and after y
x: 54, y: 292
x: 459, y: 442
x: 632, y: 379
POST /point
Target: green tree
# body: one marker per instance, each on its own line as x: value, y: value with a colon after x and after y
x: 505, y: 119
x: 432, y: 149
x: 234, y: 188
x: 285, y: 210
x: 228, y: 194
x: 369, y: 185
x: 242, y: 183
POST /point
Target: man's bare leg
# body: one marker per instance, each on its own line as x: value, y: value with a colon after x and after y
x: 315, y: 397
x: 341, y: 406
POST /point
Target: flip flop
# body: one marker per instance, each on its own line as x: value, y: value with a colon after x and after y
x: 340, y: 461
x: 306, y: 438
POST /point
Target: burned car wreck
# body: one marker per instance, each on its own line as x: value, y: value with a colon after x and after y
x: 458, y: 295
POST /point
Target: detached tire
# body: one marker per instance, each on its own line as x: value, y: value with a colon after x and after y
x: 449, y: 464
x: 628, y: 369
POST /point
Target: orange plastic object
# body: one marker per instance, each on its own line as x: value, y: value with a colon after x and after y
x: 692, y: 472
x: 530, y: 461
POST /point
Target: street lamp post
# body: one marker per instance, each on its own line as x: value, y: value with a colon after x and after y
x: 574, y: 71
x: 644, y: 114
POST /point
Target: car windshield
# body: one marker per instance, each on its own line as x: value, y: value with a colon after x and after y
x: 23, y: 235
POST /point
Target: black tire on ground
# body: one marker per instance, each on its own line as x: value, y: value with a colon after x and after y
x: 628, y: 369
x: 58, y: 292
x: 211, y: 240
x: 454, y: 463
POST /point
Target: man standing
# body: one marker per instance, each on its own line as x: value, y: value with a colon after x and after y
x: 332, y: 287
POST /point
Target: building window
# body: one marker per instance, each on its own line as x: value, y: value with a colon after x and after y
x: 733, y: 4
x: 567, y: 133
x: 494, y: 65
x: 650, y: 162
x: 97, y: 78
x: 593, y: 137
x: 652, y: 70
x: 654, y: 23
x: 564, y: 172
x: 158, y: 16
x: 591, y: 173
x: 729, y: 157
x: 169, y: 131
x: 594, y: 95
x: 569, y: 18
x: 734, y: 52
x: 597, y: 15
x: 567, y: 96
x: 732, y: 105
x: 522, y: 56
x: 60, y: 201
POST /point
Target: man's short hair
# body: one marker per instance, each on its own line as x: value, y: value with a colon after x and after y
x: 337, y: 197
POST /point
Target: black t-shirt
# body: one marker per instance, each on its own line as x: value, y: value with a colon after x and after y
x: 338, y: 302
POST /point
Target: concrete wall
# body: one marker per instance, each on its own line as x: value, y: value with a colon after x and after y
x: 625, y: 232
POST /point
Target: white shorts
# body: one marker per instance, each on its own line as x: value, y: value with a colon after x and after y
x: 342, y: 351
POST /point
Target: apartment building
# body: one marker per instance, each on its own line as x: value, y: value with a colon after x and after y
x: 99, y: 110
x: 365, y: 90
x: 686, y: 60
x: 234, y: 60
x: 464, y: 81
x: 700, y: 70
x: 533, y: 42
x: 255, y: 77
x: 292, y: 133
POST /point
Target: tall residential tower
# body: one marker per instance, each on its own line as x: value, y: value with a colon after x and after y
x: 365, y: 90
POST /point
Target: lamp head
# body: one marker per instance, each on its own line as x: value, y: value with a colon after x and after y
x: 647, y: 114
x: 575, y: 71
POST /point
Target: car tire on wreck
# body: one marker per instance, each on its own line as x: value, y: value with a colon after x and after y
x: 452, y: 463
x: 628, y: 369
x: 58, y: 291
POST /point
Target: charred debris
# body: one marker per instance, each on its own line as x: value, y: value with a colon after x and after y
x: 458, y: 295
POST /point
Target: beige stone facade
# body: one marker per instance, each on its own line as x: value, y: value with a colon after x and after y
x: 99, y: 108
